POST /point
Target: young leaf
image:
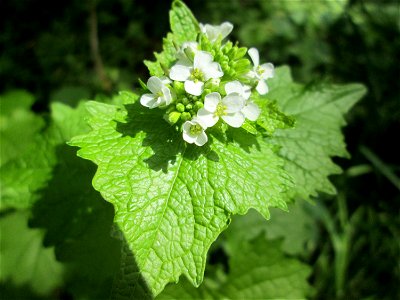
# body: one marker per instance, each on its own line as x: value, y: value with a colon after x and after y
x: 172, y: 200
x: 22, y: 176
x: 78, y: 224
x: 23, y: 258
x: 258, y: 270
x: 18, y: 124
x: 184, y: 29
x: 319, y: 113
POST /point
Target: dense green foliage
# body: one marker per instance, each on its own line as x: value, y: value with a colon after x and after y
x: 345, y: 245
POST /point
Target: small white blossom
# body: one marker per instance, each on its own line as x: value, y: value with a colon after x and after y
x: 260, y: 72
x: 183, y: 59
x: 193, y: 132
x: 229, y: 109
x: 250, y: 110
x: 161, y: 95
x: 194, y: 76
x: 214, y: 32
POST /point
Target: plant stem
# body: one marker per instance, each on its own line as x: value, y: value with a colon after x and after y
x: 94, y: 48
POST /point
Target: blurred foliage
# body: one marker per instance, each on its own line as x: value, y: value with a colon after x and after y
x: 352, y: 240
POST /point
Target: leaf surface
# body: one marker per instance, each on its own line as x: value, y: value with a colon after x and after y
x: 171, y: 200
x: 319, y: 113
x: 23, y: 259
x: 258, y: 269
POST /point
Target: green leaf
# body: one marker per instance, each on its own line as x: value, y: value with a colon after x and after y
x: 172, y: 200
x: 77, y: 222
x: 184, y: 25
x: 258, y: 270
x: 297, y: 227
x: 23, y: 259
x: 18, y: 124
x: 22, y: 176
x: 319, y: 112
x: 271, y: 117
x: 184, y: 29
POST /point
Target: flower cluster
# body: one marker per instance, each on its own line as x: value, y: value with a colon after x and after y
x: 209, y: 83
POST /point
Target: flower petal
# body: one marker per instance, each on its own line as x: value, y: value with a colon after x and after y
x: 199, y: 121
x: 167, y: 95
x: 251, y: 111
x: 188, y: 137
x: 202, y: 59
x: 201, y: 139
x: 154, y: 84
x: 214, y: 32
x: 235, y: 120
x: 207, y: 118
x: 225, y: 29
x: 234, y: 103
x: 262, y: 87
x: 148, y: 100
x: 239, y: 88
x: 212, y: 70
x: 211, y: 101
x: 233, y: 87
x: 268, y: 69
x: 194, y: 88
x: 255, y: 56
x: 180, y: 72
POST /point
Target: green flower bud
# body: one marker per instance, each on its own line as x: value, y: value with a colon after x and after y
x: 207, y: 91
x: 185, y: 101
x: 185, y: 116
x: 241, y: 52
x: 232, y: 73
x: 224, y: 65
x: 198, y: 105
x: 180, y: 107
x: 233, y: 52
x: 172, y: 117
x: 189, y: 106
x: 227, y: 47
x: 179, y: 87
x: 241, y: 64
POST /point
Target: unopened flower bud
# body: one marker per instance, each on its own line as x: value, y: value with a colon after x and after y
x: 241, y: 52
x: 185, y: 101
x: 189, y: 106
x: 180, y: 107
x: 198, y: 105
x: 185, y: 116
x: 172, y: 117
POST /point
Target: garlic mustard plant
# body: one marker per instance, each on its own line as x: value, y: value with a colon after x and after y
x: 210, y: 80
x: 160, y: 93
x: 260, y: 72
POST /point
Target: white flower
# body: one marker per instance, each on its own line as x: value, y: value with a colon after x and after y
x: 260, y: 73
x: 229, y: 109
x: 193, y: 132
x: 182, y: 55
x: 214, y: 32
x: 250, y: 110
x: 194, y: 76
x: 161, y: 95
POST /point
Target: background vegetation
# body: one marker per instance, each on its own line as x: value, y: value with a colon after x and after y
x: 64, y: 51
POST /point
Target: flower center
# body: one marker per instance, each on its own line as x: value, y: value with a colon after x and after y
x: 260, y: 70
x: 195, y: 129
x: 197, y: 75
x: 220, y: 110
x: 159, y: 94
